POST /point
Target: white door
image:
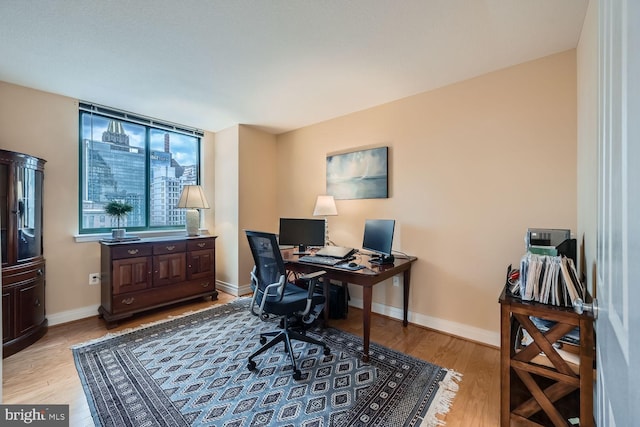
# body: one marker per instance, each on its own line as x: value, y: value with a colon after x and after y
x: 618, y: 254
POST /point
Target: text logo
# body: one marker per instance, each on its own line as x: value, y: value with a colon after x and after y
x: 34, y: 415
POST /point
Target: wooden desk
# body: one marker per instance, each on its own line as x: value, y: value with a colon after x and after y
x: 367, y: 278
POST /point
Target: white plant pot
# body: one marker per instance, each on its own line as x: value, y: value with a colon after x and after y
x: 118, y: 233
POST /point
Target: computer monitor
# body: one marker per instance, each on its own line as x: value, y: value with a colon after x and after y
x: 301, y: 232
x: 378, y: 238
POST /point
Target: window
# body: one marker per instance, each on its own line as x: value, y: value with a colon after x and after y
x: 138, y: 160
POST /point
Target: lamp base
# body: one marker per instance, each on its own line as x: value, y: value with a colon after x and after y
x: 327, y: 240
x: 193, y: 222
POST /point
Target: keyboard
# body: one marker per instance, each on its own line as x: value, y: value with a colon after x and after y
x: 322, y: 260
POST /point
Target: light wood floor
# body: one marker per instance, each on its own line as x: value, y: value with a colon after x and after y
x: 45, y: 372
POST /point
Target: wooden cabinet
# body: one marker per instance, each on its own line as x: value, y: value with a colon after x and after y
x: 149, y: 273
x: 539, y: 387
x: 23, y: 266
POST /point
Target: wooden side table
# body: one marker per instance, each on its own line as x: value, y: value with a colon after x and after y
x: 533, y: 394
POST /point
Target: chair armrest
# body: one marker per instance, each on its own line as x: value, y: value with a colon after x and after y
x: 311, y: 278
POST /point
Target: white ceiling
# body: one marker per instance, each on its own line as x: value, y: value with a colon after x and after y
x: 278, y: 64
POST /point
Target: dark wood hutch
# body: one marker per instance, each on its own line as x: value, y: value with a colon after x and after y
x: 23, y: 265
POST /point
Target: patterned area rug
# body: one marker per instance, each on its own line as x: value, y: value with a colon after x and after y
x: 192, y: 371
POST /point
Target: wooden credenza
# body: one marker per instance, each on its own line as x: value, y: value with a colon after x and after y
x: 150, y: 273
x: 538, y: 386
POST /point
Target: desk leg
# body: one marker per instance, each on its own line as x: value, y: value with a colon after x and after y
x: 367, y: 292
x: 406, y: 281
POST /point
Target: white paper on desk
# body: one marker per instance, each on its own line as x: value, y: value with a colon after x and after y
x: 574, y: 278
x: 554, y: 279
x: 533, y: 277
x: 546, y: 281
x: 524, y: 271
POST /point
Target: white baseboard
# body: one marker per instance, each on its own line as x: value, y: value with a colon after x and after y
x: 92, y: 310
x: 71, y: 315
x: 447, y: 326
x: 232, y: 289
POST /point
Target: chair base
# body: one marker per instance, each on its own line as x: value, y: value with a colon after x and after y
x: 285, y: 336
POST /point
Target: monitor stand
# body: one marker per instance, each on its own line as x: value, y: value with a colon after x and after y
x: 302, y: 250
x: 382, y: 259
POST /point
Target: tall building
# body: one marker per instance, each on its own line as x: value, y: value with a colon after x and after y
x: 113, y: 169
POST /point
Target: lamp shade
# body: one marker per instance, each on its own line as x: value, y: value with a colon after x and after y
x: 325, y: 206
x: 192, y: 197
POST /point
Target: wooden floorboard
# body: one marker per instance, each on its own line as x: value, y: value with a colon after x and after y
x: 45, y: 373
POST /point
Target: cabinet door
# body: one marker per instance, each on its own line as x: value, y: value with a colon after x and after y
x: 131, y: 274
x: 169, y: 268
x: 4, y: 210
x: 30, y: 305
x: 7, y: 315
x: 201, y: 264
x: 29, y: 211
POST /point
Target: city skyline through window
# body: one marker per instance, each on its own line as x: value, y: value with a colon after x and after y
x: 143, y: 165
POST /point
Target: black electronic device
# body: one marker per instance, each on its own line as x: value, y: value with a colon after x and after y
x: 301, y: 232
x: 558, y: 238
x: 378, y: 238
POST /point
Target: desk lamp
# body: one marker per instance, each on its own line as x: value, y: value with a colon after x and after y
x: 192, y: 198
x: 325, y: 206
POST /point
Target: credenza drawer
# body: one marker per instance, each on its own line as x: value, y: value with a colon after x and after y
x: 169, y: 247
x: 158, y: 296
x: 196, y: 245
x: 128, y: 251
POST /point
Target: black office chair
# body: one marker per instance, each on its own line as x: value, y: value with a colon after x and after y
x: 273, y: 297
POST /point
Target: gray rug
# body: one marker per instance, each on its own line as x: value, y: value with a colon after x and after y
x: 192, y: 370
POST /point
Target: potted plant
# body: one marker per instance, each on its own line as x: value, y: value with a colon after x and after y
x: 119, y: 210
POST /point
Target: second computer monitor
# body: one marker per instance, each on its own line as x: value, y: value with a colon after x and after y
x: 378, y: 238
x: 301, y: 232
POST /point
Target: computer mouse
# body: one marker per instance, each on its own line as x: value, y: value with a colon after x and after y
x: 353, y: 264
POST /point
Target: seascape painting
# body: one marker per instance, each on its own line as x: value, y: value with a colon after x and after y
x: 359, y: 174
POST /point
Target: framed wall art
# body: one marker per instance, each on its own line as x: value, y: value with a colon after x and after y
x: 359, y: 174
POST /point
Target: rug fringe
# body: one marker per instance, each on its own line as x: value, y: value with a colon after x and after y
x: 150, y: 324
x: 447, y: 390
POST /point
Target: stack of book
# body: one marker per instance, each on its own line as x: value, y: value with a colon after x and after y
x: 550, y: 280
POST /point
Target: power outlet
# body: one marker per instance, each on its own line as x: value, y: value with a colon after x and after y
x: 396, y: 281
x: 94, y: 278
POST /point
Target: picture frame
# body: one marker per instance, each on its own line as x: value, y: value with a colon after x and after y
x: 361, y: 174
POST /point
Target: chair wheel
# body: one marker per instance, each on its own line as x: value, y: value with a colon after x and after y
x: 327, y: 351
x: 251, y: 365
x: 263, y: 340
x: 297, y: 374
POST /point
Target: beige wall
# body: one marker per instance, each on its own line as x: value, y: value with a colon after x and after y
x: 258, y: 202
x: 226, y: 207
x: 472, y: 166
x: 587, y: 74
x: 46, y: 126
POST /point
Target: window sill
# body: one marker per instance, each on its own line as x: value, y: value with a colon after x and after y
x: 83, y: 238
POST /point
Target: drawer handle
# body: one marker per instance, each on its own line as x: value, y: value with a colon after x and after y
x: 132, y: 251
x: 202, y: 245
x: 39, y: 272
x: 128, y: 301
x: 170, y: 247
x: 36, y: 303
x: 205, y: 284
